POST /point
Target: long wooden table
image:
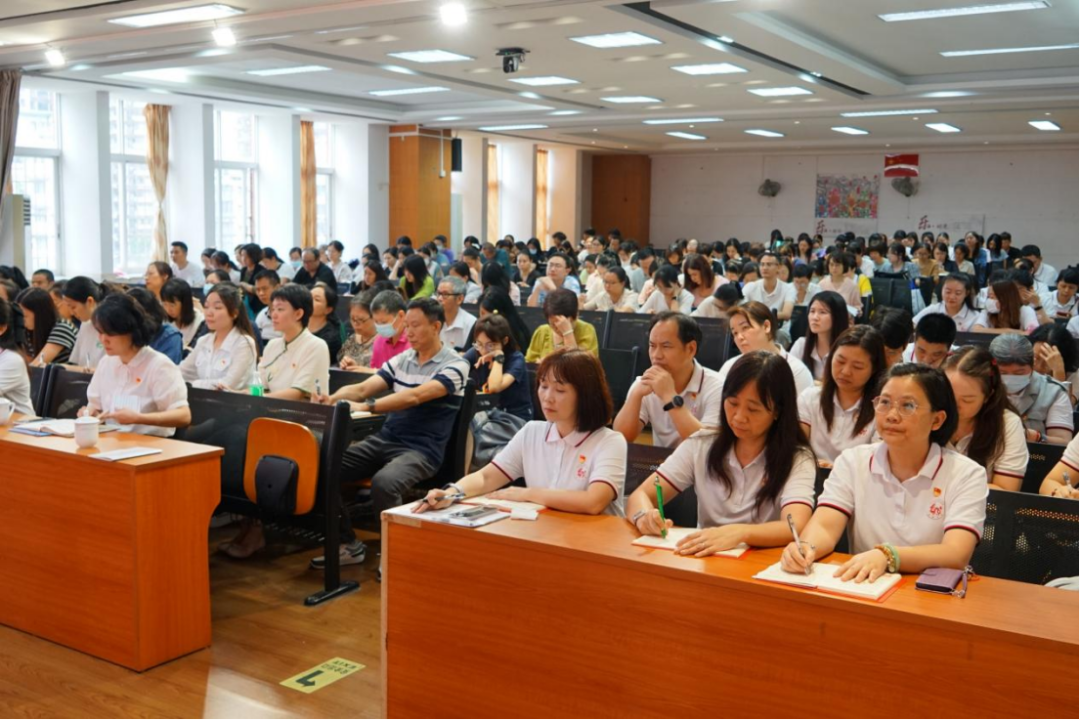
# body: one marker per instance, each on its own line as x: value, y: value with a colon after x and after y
x: 563, y: 617
x: 109, y: 558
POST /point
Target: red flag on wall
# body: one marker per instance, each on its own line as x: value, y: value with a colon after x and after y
x: 902, y: 165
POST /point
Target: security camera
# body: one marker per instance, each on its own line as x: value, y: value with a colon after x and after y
x: 512, y: 58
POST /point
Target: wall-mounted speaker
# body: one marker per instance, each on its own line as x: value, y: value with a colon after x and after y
x: 455, y: 155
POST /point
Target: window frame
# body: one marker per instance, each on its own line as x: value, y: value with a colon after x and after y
x: 251, y: 169
x: 54, y: 154
x: 123, y: 159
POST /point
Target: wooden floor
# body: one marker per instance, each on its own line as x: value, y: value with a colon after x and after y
x: 262, y: 634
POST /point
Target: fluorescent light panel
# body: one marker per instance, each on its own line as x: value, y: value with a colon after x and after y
x: 1045, y: 125
x: 962, y: 11
x: 764, y: 133
x: 223, y: 36
x: 453, y: 14
x: 561, y: 113
x: 779, y: 91
x: 943, y: 127
x: 886, y: 113
x: 448, y: 118
x: 544, y: 81
x: 175, y: 75
x: 408, y: 91
x: 54, y: 57
x: 687, y: 136
x: 683, y: 121
x: 616, y: 40
x: 708, y: 69
x: 1006, y: 51
x: 501, y: 128
x: 847, y: 130
x: 294, y: 70
x: 630, y: 99
x: 430, y: 56
x: 196, y: 13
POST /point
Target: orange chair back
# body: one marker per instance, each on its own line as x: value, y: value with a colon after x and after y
x: 267, y: 436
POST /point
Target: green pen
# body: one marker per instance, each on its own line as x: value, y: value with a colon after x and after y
x: 660, y: 507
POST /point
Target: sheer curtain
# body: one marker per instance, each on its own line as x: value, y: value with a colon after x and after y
x: 308, y: 234
x: 10, y: 81
x: 492, y: 193
x: 157, y: 162
x: 542, y: 219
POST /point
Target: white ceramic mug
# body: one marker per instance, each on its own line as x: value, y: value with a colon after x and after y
x: 86, y: 431
x: 6, y: 408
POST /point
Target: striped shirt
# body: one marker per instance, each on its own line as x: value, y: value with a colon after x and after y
x: 62, y: 334
x: 425, y: 428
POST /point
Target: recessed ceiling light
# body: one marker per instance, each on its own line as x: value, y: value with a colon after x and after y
x: 303, y: 109
x: 686, y: 135
x: 500, y: 128
x: 430, y: 56
x: 683, y: 121
x: 943, y: 127
x: 1006, y: 51
x: 453, y: 14
x: 54, y: 57
x: 886, y: 113
x: 223, y: 36
x: 764, y: 133
x: 529, y: 94
x: 196, y: 13
x: 545, y: 80
x: 175, y: 75
x: 779, y: 91
x: 407, y: 91
x: 816, y: 74
x: 616, y: 40
x: 398, y: 69
x: 1045, y: 125
x: 846, y: 130
x: 294, y: 70
x: 630, y: 99
x: 708, y: 69
x: 565, y: 112
x: 726, y: 39
x: 962, y: 11
x: 448, y: 118
x: 948, y: 94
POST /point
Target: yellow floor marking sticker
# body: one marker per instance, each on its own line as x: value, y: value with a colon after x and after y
x: 320, y: 676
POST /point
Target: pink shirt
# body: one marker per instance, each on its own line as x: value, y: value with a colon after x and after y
x: 848, y: 290
x: 383, y: 350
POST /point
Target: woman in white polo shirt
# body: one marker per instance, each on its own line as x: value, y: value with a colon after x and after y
x: 753, y: 328
x: 749, y: 474
x: 571, y: 461
x: 134, y: 386
x: 297, y: 364
x: 669, y: 293
x: 14, y: 377
x: 957, y: 301
x: 223, y: 359
x: 840, y: 413
x: 911, y: 502
x: 827, y: 318
x: 989, y: 430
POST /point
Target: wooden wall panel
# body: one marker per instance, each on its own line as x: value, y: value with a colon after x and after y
x: 621, y: 193
x: 419, y: 198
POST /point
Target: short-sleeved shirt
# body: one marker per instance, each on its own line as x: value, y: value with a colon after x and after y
x: 359, y: 352
x: 801, y: 373
x: 701, y: 397
x: 543, y: 341
x: 1013, y: 460
x: 427, y: 288
x: 386, y: 348
x: 1074, y: 327
x: 1046, y: 274
x: 1070, y: 456
x: 342, y: 272
x: 297, y: 365
x: 425, y: 428
x: 574, y: 462
x: 570, y: 283
x: 456, y: 334
x: 516, y: 399
x: 1056, y: 309
x: 231, y: 365
x: 964, y: 319
x: 709, y: 309
x: 828, y: 444
x: 688, y: 467
x: 817, y: 362
x: 1028, y: 320
x: 847, y: 290
x: 150, y: 382
x: 265, y: 326
x: 191, y: 273
x: 88, y: 350
x: 657, y: 303
x: 782, y: 294
x: 948, y: 492
x: 63, y: 334
x: 603, y: 302
x: 1058, y: 416
x: 15, y: 381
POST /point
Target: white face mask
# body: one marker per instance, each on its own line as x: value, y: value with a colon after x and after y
x: 1015, y: 383
x: 992, y: 306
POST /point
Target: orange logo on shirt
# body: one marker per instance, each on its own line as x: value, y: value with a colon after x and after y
x: 581, y: 459
x: 937, y: 492
x: 138, y: 380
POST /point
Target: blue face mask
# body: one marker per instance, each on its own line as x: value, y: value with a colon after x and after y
x: 386, y: 331
x: 296, y: 264
x: 206, y: 288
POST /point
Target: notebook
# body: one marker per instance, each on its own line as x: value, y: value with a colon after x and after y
x: 62, y: 428
x: 125, y: 454
x: 450, y: 515
x: 675, y: 534
x: 821, y: 578
x: 510, y: 505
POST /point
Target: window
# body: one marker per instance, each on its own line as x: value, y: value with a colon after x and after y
x: 35, y: 175
x: 543, y: 195
x: 492, y: 192
x: 134, y: 205
x: 324, y: 181
x: 235, y: 171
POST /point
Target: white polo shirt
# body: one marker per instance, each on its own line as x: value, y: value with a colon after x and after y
x: 1060, y: 414
x: 782, y: 294
x: 828, y: 444
x: 948, y: 492
x: 818, y: 369
x: 1014, y: 457
x: 688, y: 467
x: 15, y: 381
x: 701, y: 397
x: 342, y: 272
x: 963, y: 319
x: 1055, y: 309
x: 151, y: 382
x: 1070, y: 456
x: 265, y: 326
x: 574, y: 462
x: 192, y: 274
x: 454, y: 335
x: 1046, y: 274
x: 657, y: 303
x: 602, y: 302
x: 708, y: 308
x: 803, y: 378
x: 1074, y: 327
x: 232, y: 365
x: 1028, y: 320
x: 296, y: 365
x: 88, y: 350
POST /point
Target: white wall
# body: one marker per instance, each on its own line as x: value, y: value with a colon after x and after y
x: 85, y: 184
x: 565, y: 189
x: 279, y: 182
x: 517, y: 188
x: 189, y: 211
x: 469, y: 186
x: 361, y: 196
x: 1031, y: 192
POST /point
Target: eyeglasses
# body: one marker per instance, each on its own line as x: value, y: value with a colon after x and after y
x: 441, y: 294
x: 485, y: 347
x: 883, y: 406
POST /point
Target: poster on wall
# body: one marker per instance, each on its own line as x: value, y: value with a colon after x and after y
x: 955, y: 225
x: 847, y: 196
x: 829, y: 228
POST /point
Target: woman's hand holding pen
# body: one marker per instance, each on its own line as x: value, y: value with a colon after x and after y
x: 797, y: 558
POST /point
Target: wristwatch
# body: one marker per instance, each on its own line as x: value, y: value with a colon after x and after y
x: 676, y: 402
x: 500, y: 358
x: 370, y: 402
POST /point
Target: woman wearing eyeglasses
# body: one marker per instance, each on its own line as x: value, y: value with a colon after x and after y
x: 498, y: 367
x: 912, y: 503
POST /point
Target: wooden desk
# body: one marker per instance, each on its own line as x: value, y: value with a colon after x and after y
x: 109, y: 558
x: 563, y: 617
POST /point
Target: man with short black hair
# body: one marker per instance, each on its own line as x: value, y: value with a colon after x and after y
x: 770, y: 290
x: 42, y: 278
x: 894, y: 324
x: 1060, y: 302
x: 1043, y: 272
x: 266, y: 282
x: 182, y: 269
x: 676, y: 395
x: 314, y: 270
x: 934, y: 337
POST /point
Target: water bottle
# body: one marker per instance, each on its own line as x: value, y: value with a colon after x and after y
x: 256, y: 384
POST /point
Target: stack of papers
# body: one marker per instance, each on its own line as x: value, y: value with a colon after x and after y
x: 450, y: 515
x: 125, y: 454
x: 62, y: 428
x: 821, y: 578
x: 509, y: 505
x: 675, y: 534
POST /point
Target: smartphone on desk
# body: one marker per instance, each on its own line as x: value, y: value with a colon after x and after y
x: 474, y: 513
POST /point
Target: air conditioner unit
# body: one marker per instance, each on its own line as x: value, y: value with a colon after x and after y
x: 14, y: 221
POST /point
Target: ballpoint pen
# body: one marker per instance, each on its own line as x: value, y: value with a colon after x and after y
x: 660, y: 507
x: 452, y: 498
x: 795, y: 534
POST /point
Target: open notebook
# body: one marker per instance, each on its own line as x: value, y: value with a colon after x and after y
x: 450, y: 516
x: 675, y: 534
x: 63, y: 428
x: 509, y: 505
x: 821, y: 578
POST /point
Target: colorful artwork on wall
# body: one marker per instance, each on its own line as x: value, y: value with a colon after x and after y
x: 844, y: 196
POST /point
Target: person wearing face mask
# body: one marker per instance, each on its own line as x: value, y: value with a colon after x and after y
x: 1005, y: 311
x: 934, y: 336
x: 388, y: 312
x: 956, y: 302
x: 1042, y: 402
